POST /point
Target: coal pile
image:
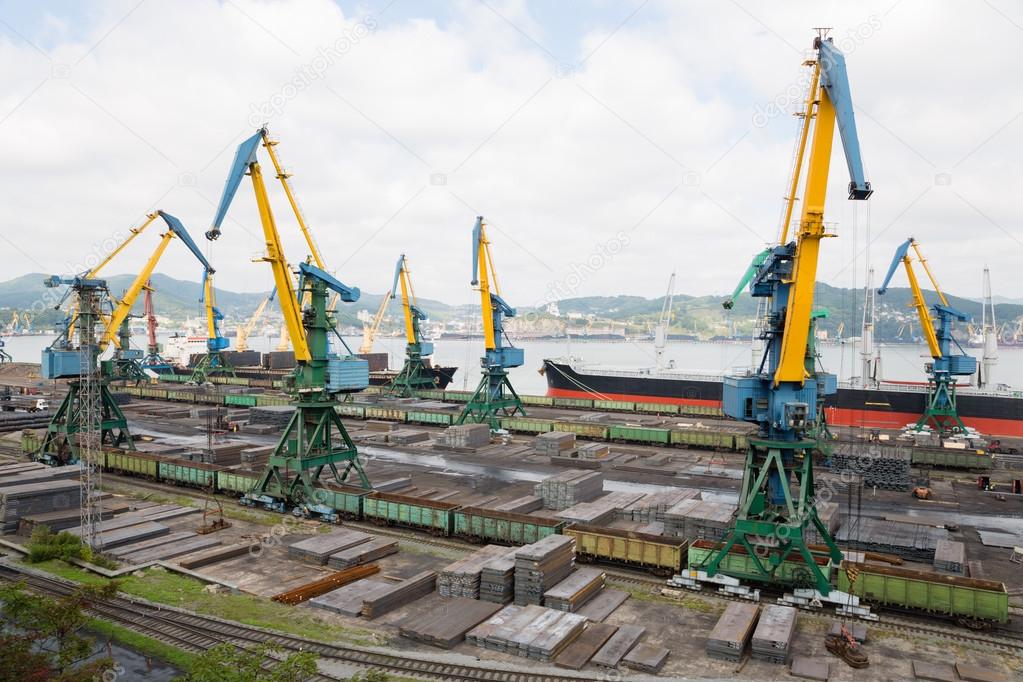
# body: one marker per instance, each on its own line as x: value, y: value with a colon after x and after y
x: 542, y: 565
x: 569, y: 488
x: 772, y: 640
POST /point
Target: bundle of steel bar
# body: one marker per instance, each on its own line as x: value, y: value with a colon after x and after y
x: 445, y: 626
x: 318, y: 548
x: 569, y: 488
x: 884, y: 466
x: 379, y: 426
x: 402, y: 593
x: 324, y: 585
x: 772, y: 639
x: 579, y: 652
x: 600, y: 511
x: 466, y: 436
x: 554, y: 443
x: 407, y: 437
x: 541, y: 565
x: 348, y: 600
x: 276, y: 416
x: 950, y: 556
x: 652, y: 506
x: 730, y: 636
x: 497, y: 578
x: 646, y: 658
x: 620, y: 643
x: 575, y: 590
x: 363, y: 553
x: 594, y: 451
x: 911, y: 541
x: 530, y: 631
x: 521, y: 505
x: 36, y: 498
x: 463, y: 577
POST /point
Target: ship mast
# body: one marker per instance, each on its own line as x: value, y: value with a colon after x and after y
x: 989, y: 331
x: 870, y: 366
x: 661, y: 330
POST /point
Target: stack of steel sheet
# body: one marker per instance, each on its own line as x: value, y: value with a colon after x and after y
x: 530, y: 631
x: 318, y: 548
x: 829, y: 516
x: 521, y: 505
x: 62, y: 473
x: 348, y: 600
x: 594, y: 451
x: 362, y: 553
x: 646, y: 658
x: 772, y: 639
x: 130, y: 534
x: 598, y: 512
x: 569, y: 488
x: 400, y: 594
x: 217, y: 554
x: 407, y: 437
x: 445, y: 626
x: 497, y: 578
x: 466, y: 436
x: 19, y: 467
x: 911, y: 541
x: 67, y: 518
x: 36, y: 498
x: 392, y: 484
x: 540, y: 566
x: 276, y: 416
x: 463, y: 577
x: 730, y: 636
x: 161, y: 551
x: 579, y: 652
x: 652, y: 507
x: 378, y: 426
x: 621, y: 642
x: 699, y: 519
x: 575, y: 590
x: 675, y: 516
x: 603, y: 605
x: 950, y: 556
x: 883, y: 466
x: 258, y: 455
x: 554, y: 443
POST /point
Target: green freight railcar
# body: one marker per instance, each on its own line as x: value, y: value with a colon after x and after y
x: 639, y: 434
x: 479, y: 525
x: 240, y: 400
x: 431, y: 394
x: 211, y: 397
x: 614, y: 405
x: 132, y: 463
x: 526, y: 425
x: 538, y: 400
x: 701, y: 410
x: 385, y: 413
x: 657, y: 408
x: 660, y: 554
x: 435, y: 418
x: 351, y: 410
x: 193, y: 474
x: 703, y: 438
x: 583, y: 403
x: 347, y: 501
x: 738, y: 564
x: 388, y: 509
x: 583, y: 429
x: 457, y: 396
x: 30, y: 441
x: 950, y: 458
x: 236, y: 481
x: 970, y: 601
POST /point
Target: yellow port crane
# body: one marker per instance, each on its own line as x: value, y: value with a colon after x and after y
x: 371, y: 328
x: 245, y: 331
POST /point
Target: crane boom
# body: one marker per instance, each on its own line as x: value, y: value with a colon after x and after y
x: 412, y: 313
x: 245, y: 331
x: 369, y: 331
x: 926, y: 321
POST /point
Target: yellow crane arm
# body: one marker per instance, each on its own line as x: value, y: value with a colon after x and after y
x: 282, y: 276
x: 283, y: 177
x: 485, y: 267
x: 926, y: 322
x: 927, y: 269
x: 246, y: 330
x: 408, y: 301
x: 369, y: 331
x: 123, y: 307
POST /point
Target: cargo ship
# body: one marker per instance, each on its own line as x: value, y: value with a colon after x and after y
x: 887, y: 405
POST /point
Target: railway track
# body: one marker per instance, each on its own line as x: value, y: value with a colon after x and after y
x: 1010, y: 641
x: 196, y: 633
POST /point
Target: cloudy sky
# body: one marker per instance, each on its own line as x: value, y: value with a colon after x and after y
x: 606, y: 142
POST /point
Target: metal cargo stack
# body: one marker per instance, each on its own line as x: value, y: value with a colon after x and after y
x: 732, y: 633
x: 542, y: 565
x: 575, y: 590
x: 776, y: 628
x: 318, y: 548
x: 463, y: 577
x: 950, y: 556
x: 569, y: 488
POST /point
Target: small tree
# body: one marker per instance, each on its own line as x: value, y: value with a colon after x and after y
x: 225, y: 663
x: 42, y: 639
x: 45, y: 545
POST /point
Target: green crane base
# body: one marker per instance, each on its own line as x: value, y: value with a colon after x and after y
x: 784, y: 525
x: 494, y: 398
x: 209, y: 365
x: 60, y: 444
x: 307, y: 447
x: 415, y: 376
x: 942, y: 413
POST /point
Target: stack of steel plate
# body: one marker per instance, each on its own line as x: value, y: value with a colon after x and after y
x: 730, y: 636
x: 530, y: 631
x: 378, y: 426
x: 675, y: 516
x: 579, y: 652
x: 61, y: 473
x: 883, y: 466
x: 651, y: 507
x: 276, y: 416
x: 129, y: 534
x: 497, y: 578
x: 362, y: 553
x: 598, y: 512
x: 646, y: 658
x: 540, y: 566
x: 829, y: 516
x: 318, y: 548
x: 950, y: 556
x: 699, y: 519
x: 468, y: 436
x: 159, y: 550
x: 36, y: 498
x: 398, y: 595
x: 407, y: 437
x: 911, y: 541
x: 621, y: 642
x: 603, y: 605
x: 575, y: 590
x: 446, y: 624
x: 772, y: 639
x: 463, y: 577
x: 569, y: 488
x: 594, y: 451
x: 554, y: 443
x: 521, y: 505
x: 348, y: 600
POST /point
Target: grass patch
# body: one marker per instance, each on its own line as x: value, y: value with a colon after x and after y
x: 146, y: 645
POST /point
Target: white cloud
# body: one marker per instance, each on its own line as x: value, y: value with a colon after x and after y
x: 655, y: 129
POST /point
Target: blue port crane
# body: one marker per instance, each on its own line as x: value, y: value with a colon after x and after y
x: 495, y: 396
x: 948, y: 359
x: 777, y: 494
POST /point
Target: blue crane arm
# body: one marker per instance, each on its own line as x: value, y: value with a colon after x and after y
x: 835, y: 80
x: 244, y: 157
x: 502, y: 305
x: 348, y: 294
x: 900, y: 254
x: 178, y: 229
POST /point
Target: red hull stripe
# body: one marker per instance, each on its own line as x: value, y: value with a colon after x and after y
x: 873, y: 419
